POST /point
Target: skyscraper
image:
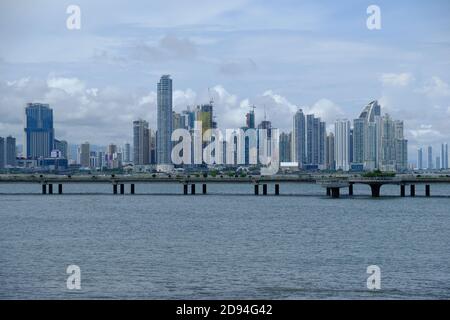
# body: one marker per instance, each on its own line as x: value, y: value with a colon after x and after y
x: 141, y: 142
x: 315, y: 141
x: 85, y: 153
x: 430, y: 158
x: 330, y: 160
x: 62, y: 146
x: 420, y: 158
x: 285, y: 147
x: 10, y: 151
x: 127, y: 152
x: 446, y: 157
x: 358, y: 140
x: 342, y: 144
x: 298, y: 149
x: 39, y: 132
x: 443, y: 157
x: 164, y: 122
x: 250, y: 119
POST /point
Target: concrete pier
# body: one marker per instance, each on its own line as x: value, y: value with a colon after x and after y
x: 256, y: 189
x: 114, y: 188
x: 350, y: 189
x: 132, y: 189
x: 265, y: 189
x: 427, y: 190
x: 402, y: 190
x: 193, y: 188
x: 122, y: 188
x: 413, y: 190
x: 277, y: 189
x: 375, y: 190
x: 335, y: 192
x: 50, y: 188
x: 185, y: 188
x: 44, y: 189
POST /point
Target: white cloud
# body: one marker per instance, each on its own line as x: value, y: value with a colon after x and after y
x: 435, y: 88
x: 69, y: 85
x: 396, y: 79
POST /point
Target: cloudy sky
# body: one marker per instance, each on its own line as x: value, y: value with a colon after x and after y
x: 278, y: 55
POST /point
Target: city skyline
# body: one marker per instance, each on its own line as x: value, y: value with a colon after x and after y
x: 328, y: 63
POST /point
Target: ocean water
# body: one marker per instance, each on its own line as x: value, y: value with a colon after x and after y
x: 229, y: 244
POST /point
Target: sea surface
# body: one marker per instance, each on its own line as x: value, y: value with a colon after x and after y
x: 229, y: 244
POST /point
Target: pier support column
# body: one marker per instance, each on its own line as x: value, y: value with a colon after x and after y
x: 375, y: 190
x: 265, y: 189
x: 132, y: 188
x: 335, y: 192
x: 256, y: 189
x: 204, y: 188
x: 413, y: 190
x: 192, y: 188
x: 350, y: 189
x: 402, y: 190
x: 277, y: 189
x: 114, y: 188
x: 328, y: 192
x: 44, y: 189
x: 50, y: 188
x: 185, y: 188
x: 60, y: 190
x: 122, y: 188
x: 427, y: 190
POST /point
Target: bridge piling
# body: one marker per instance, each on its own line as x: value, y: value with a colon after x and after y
x: 350, y: 189
x: 132, y: 188
x: 256, y: 189
x: 413, y: 190
x: 277, y: 189
x: 193, y: 188
x: 335, y: 192
x: 402, y: 190
x: 60, y: 188
x: 185, y: 188
x: 44, y: 189
x: 204, y: 188
x: 375, y: 190
x: 114, y: 188
x: 265, y: 189
x: 427, y: 190
x: 122, y: 188
x: 328, y: 192
x: 50, y: 188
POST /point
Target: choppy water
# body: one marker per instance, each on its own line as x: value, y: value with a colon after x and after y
x: 228, y: 244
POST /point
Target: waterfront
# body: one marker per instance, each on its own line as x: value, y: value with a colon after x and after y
x: 227, y: 244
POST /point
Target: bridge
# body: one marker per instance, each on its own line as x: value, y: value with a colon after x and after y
x: 332, y: 184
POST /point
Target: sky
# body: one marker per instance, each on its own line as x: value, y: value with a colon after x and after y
x: 277, y: 55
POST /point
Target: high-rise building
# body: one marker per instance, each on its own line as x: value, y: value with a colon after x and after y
x: 330, y: 160
x: 250, y: 119
x: 367, y: 136
x: 164, y: 122
x: 127, y: 152
x: 393, y: 145
x: 315, y: 141
x: 298, y: 149
x: 10, y: 151
x: 39, y: 132
x: 85, y: 154
x: 443, y: 157
x: 141, y: 142
x: 438, y: 163
x: 358, y: 140
x: 2, y: 153
x: 62, y: 146
x: 285, y: 147
x: 430, y: 158
x: 204, y: 114
x: 178, y: 121
x: 342, y: 144
x: 420, y: 158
